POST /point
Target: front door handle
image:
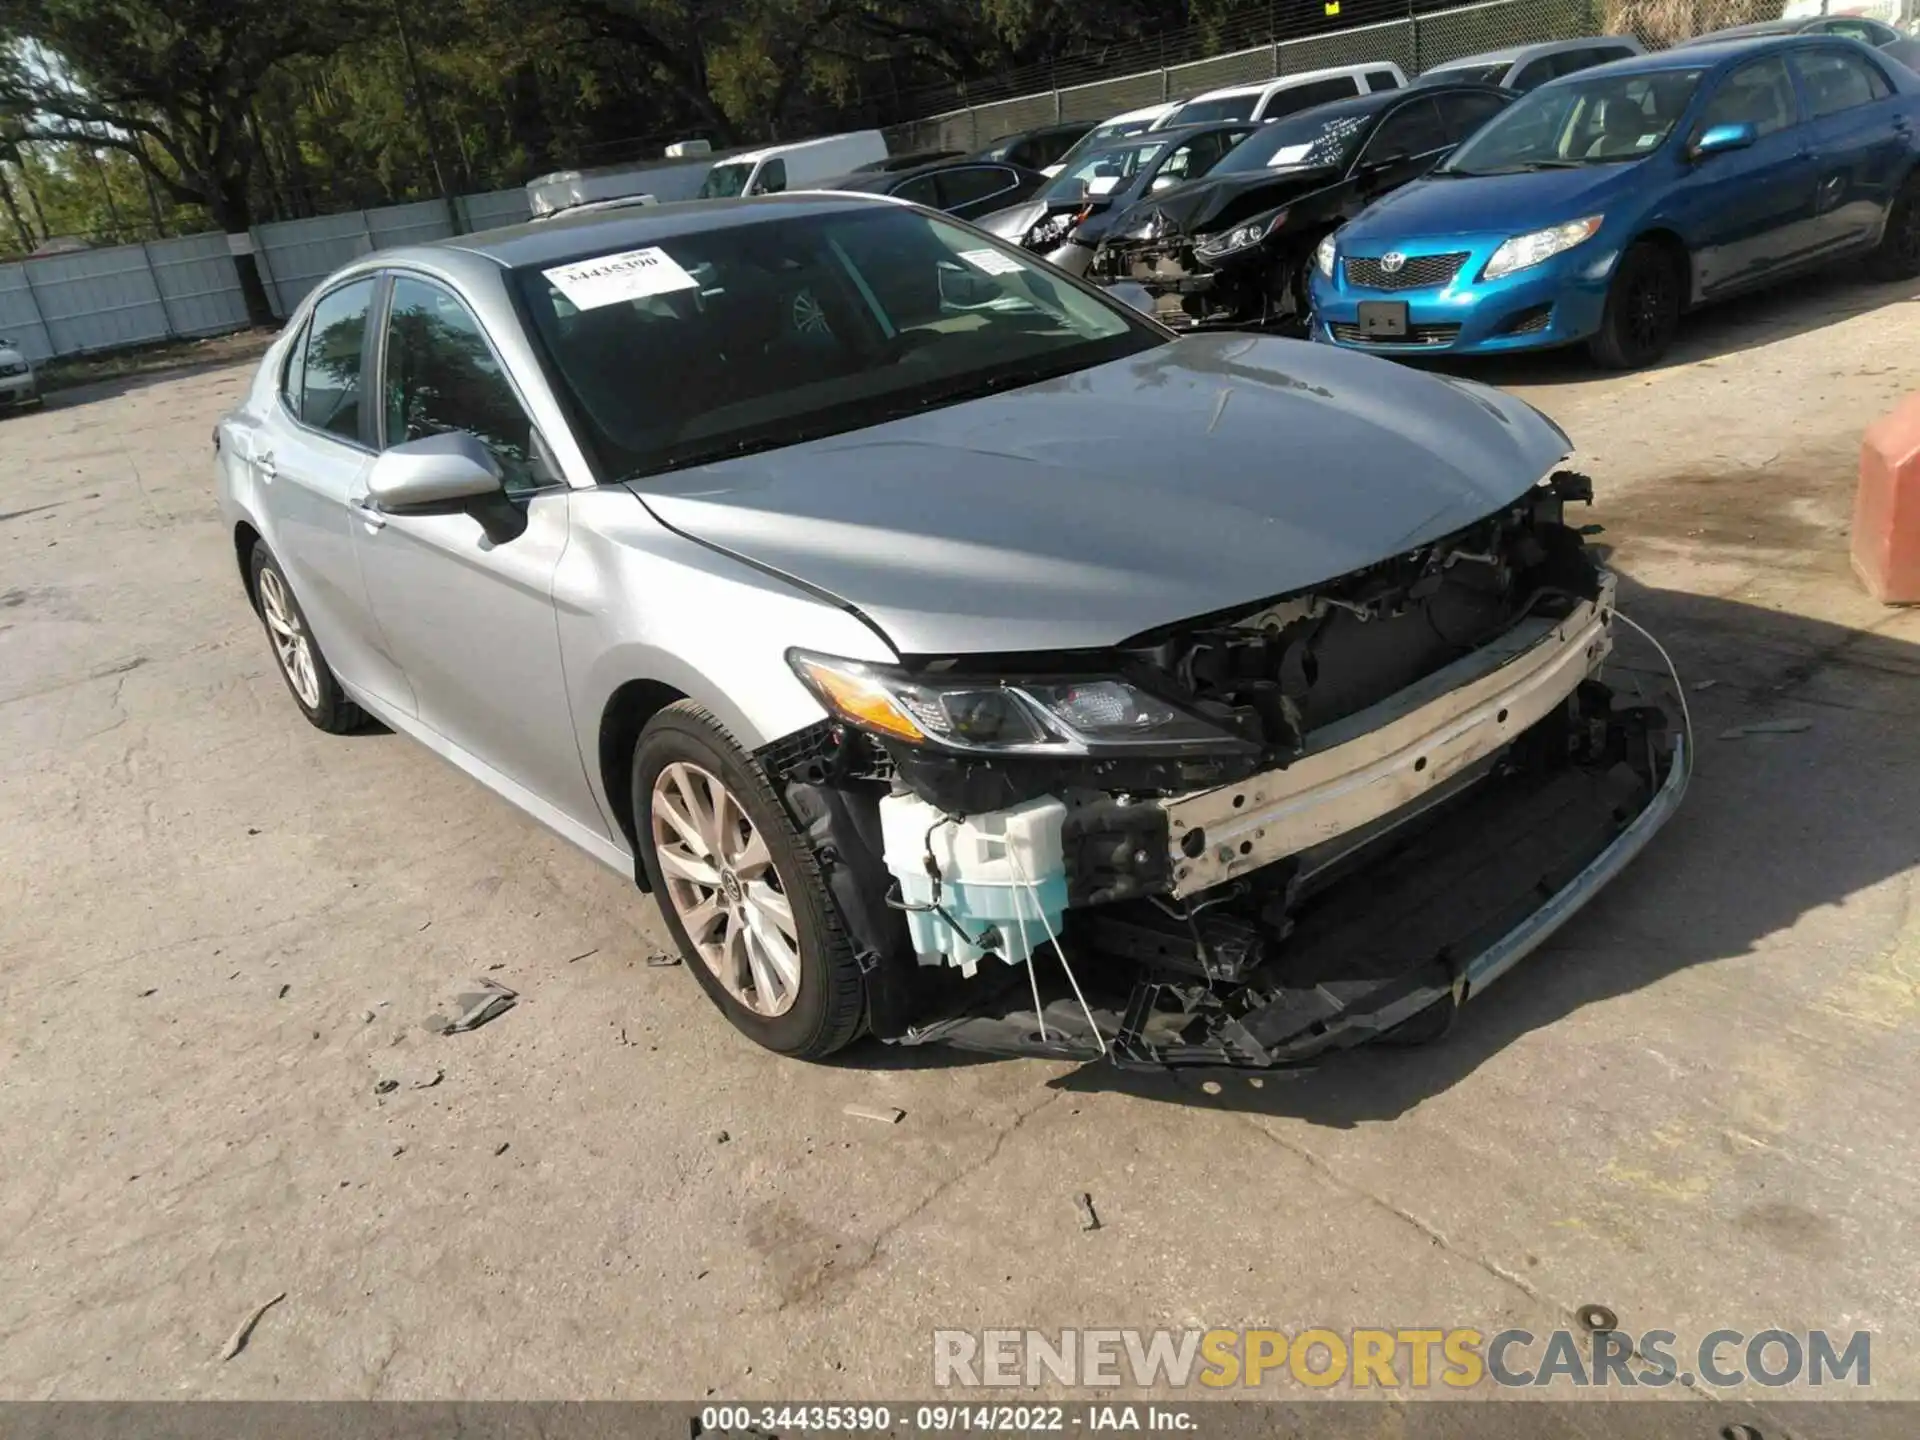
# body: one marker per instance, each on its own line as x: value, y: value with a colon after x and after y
x: 369, y: 516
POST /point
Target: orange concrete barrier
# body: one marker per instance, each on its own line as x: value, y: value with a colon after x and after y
x: 1886, y: 510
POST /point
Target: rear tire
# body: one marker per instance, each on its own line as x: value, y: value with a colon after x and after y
x: 769, y: 950
x: 310, y: 680
x: 1897, y: 256
x: 1643, y: 309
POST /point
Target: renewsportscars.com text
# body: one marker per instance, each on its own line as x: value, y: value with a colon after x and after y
x: 1418, y: 1359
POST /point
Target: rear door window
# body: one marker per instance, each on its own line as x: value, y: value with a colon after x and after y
x: 1533, y: 74
x: 1382, y: 80
x: 1300, y: 97
x: 1832, y: 81
x: 772, y: 178
x: 972, y: 183
x: 921, y: 190
x: 330, y: 385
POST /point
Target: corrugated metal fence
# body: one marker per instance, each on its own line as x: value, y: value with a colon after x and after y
x: 174, y: 289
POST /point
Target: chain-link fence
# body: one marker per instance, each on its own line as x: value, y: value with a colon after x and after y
x: 1413, y: 41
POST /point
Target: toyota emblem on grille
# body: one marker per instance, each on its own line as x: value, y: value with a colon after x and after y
x: 1391, y: 262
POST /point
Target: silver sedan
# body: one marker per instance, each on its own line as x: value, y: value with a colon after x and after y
x: 953, y: 652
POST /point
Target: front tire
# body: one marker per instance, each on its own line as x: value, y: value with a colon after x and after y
x: 741, y: 893
x: 1897, y: 256
x: 310, y: 680
x: 1643, y: 308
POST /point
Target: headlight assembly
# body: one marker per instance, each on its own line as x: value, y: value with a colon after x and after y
x: 1323, y: 256
x: 1242, y: 236
x: 1525, y: 251
x: 984, y: 715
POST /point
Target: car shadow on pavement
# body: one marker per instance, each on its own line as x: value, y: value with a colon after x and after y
x: 1774, y: 827
x: 1744, y: 322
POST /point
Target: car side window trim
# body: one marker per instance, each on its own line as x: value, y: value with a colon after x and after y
x: 537, y: 442
x: 376, y: 304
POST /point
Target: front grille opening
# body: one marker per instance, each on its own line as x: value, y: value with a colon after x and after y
x: 1416, y: 337
x: 1415, y: 272
x: 1530, y: 321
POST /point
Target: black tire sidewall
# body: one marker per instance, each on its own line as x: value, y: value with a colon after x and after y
x: 1887, y: 262
x: 684, y: 734
x: 1615, y: 346
x: 330, y: 714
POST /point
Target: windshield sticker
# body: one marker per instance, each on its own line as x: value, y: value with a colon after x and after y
x: 992, y: 261
x: 1103, y: 184
x: 1290, y: 154
x: 630, y: 275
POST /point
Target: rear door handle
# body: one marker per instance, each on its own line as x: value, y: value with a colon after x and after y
x: 369, y: 516
x: 263, y: 462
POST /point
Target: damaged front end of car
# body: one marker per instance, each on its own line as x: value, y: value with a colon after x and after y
x: 1243, y: 271
x: 1248, y: 838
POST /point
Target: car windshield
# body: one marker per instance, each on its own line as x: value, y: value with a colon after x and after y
x: 1326, y: 135
x: 1597, y: 119
x: 1226, y: 107
x: 758, y: 335
x: 1101, y: 136
x: 1104, y: 171
x: 723, y: 182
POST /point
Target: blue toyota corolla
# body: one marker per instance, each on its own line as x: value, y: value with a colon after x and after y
x: 1601, y: 206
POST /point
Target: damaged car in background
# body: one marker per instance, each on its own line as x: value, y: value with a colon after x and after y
x: 1066, y: 220
x: 955, y: 654
x: 1236, y: 248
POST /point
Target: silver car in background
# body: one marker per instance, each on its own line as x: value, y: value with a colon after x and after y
x: 954, y: 653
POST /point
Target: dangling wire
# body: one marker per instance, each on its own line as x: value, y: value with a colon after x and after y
x: 1033, y: 977
x: 1680, y: 690
x: 1020, y: 874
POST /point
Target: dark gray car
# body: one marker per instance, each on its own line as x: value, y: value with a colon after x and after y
x: 952, y: 652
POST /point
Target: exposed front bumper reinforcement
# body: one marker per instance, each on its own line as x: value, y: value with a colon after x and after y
x: 1389, y: 755
x: 1417, y: 888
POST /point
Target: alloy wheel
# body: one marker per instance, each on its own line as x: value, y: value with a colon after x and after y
x: 1647, y: 312
x: 726, y: 890
x: 290, y: 643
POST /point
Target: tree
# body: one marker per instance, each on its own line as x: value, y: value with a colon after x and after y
x: 170, y: 83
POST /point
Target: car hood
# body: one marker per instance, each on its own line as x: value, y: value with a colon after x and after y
x: 1195, y: 208
x: 1012, y: 223
x: 1472, y: 205
x: 1215, y: 471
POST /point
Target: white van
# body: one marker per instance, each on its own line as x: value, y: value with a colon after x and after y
x: 1271, y: 99
x: 792, y: 167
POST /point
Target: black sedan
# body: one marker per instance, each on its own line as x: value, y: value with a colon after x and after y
x: 967, y: 188
x: 1235, y: 248
x: 1877, y: 33
x: 1037, y: 149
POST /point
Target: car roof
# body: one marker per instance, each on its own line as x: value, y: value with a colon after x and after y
x: 754, y: 157
x: 567, y: 235
x: 1171, y: 133
x: 1514, y: 54
x: 870, y: 180
x: 1757, y: 27
x: 1287, y: 82
x: 1063, y: 127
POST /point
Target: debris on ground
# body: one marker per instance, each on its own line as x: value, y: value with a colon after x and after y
x: 487, y: 1000
x: 398, y: 1151
x: 238, y: 1341
x: 584, y: 954
x: 1088, y: 1220
x: 428, y: 1082
x: 283, y: 991
x: 662, y: 961
x: 1767, y: 727
x: 386, y: 1087
x: 501, y: 1148
x: 885, y: 1114
x: 144, y: 994
x: 721, y: 1137
x: 1596, y: 1318
x: 1706, y: 684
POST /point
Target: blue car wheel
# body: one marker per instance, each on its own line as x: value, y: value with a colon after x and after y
x: 1642, y: 311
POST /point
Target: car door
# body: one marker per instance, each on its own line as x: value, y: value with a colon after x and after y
x: 1747, y: 213
x: 1860, y: 142
x: 471, y: 618
x: 310, y: 460
x: 1408, y: 142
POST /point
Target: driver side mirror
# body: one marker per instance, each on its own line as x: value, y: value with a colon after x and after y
x: 439, y: 474
x: 1720, y: 138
